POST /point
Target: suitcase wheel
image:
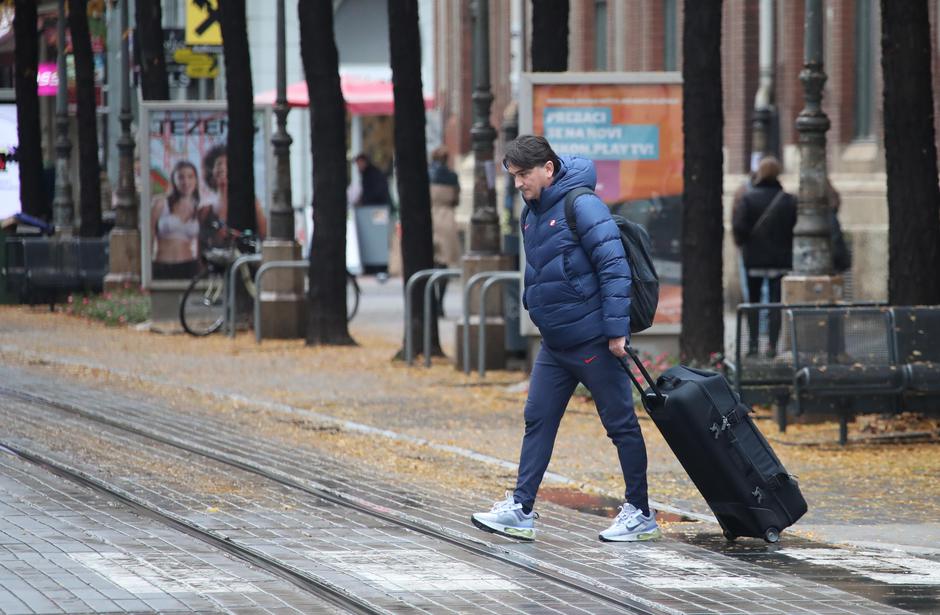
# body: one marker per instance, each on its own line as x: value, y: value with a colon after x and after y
x: 772, y: 535
x: 729, y: 535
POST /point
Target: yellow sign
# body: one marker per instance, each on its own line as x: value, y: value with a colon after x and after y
x: 198, y: 65
x: 202, y: 22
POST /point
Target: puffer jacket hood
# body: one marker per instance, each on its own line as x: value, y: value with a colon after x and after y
x: 577, y: 286
x: 575, y: 173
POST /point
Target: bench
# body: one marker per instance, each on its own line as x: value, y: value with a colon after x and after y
x: 841, y: 359
x: 917, y: 340
x: 845, y: 361
x: 14, y: 270
x: 759, y: 376
x: 55, y: 267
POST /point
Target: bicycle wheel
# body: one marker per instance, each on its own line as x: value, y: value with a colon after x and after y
x: 352, y: 296
x: 201, y: 307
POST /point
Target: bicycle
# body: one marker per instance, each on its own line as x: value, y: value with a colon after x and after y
x: 202, y: 306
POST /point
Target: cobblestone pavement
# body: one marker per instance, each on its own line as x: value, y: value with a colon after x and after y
x: 432, y: 444
x: 64, y: 549
x: 669, y: 576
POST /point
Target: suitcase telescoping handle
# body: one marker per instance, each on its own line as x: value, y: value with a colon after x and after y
x: 646, y: 375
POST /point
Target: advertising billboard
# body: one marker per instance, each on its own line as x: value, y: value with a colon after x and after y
x: 9, y: 167
x: 184, y: 182
x: 630, y: 126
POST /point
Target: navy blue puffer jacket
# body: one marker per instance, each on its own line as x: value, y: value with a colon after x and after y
x: 575, y: 291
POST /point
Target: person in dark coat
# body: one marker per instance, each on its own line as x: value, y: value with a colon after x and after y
x: 762, y: 223
x: 374, y: 183
x: 445, y: 196
x: 577, y: 292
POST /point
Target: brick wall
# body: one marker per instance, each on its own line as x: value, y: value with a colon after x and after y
x: 635, y: 31
x: 839, y: 95
x: 739, y: 79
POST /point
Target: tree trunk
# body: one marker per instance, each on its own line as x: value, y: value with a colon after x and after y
x: 326, y: 323
x: 910, y: 154
x: 241, y: 116
x: 702, y: 302
x: 29, y: 150
x: 149, y: 38
x: 549, y: 35
x: 417, y: 248
x: 89, y: 170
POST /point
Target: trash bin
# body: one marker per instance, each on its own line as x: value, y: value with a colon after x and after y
x: 373, y: 226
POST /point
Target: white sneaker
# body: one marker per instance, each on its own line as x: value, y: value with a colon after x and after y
x: 506, y: 518
x: 631, y: 525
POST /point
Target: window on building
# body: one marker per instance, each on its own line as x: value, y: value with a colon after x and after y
x: 600, y: 35
x: 865, y: 40
x: 669, y: 36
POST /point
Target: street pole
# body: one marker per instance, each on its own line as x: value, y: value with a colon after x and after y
x: 125, y: 237
x: 484, y: 252
x: 484, y: 223
x: 282, y: 296
x: 282, y: 214
x: 764, y: 98
x: 63, y: 207
x: 811, y: 280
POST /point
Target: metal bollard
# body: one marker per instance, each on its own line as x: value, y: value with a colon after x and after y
x: 497, y: 278
x: 228, y: 308
x: 409, y: 286
x: 428, y: 293
x: 473, y: 281
x: 266, y: 267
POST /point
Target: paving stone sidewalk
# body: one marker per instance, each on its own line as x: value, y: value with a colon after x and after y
x: 677, y: 576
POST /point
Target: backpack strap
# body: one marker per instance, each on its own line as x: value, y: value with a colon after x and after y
x: 569, y: 208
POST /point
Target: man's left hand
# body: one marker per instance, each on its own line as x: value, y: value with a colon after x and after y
x: 618, y: 346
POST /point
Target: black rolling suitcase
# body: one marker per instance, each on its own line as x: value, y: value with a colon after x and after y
x: 725, y: 455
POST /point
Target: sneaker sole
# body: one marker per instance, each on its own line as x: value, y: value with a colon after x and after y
x: 527, y: 535
x: 641, y: 537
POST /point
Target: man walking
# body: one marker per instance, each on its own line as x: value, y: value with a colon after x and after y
x: 577, y: 291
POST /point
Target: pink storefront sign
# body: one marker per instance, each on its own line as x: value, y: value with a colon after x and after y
x: 47, y: 79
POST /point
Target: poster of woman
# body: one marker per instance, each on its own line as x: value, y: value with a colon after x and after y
x: 184, y: 188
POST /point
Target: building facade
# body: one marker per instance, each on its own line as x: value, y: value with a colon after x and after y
x: 646, y: 35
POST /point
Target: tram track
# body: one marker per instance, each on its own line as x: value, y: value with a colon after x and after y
x: 325, y: 591
x: 553, y: 573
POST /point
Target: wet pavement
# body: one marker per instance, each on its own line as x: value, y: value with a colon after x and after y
x: 348, y: 429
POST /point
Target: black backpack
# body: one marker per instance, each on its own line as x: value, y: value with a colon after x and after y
x: 644, y: 290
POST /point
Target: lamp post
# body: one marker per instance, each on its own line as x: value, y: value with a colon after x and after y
x: 282, y: 293
x: 484, y: 223
x: 764, y: 98
x: 63, y: 207
x: 484, y: 253
x: 811, y: 280
x: 125, y: 237
x: 282, y: 215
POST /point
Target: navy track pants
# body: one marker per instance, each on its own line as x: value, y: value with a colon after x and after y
x: 554, y: 377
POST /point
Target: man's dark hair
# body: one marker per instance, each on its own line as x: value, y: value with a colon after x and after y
x: 529, y: 151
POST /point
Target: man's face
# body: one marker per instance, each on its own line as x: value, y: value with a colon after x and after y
x: 530, y: 182
x: 361, y: 164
